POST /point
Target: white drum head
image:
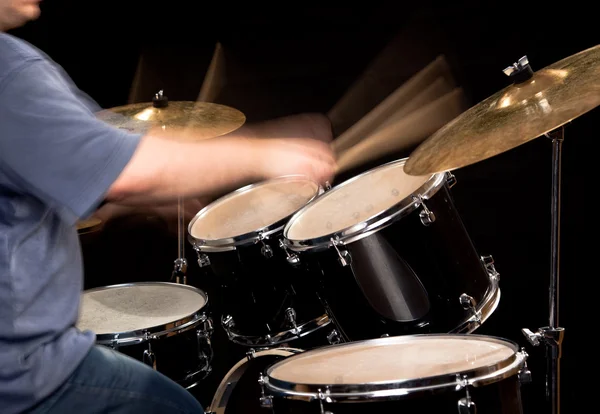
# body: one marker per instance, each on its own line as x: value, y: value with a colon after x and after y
x: 253, y: 208
x: 354, y: 201
x: 127, y: 308
x: 392, y: 360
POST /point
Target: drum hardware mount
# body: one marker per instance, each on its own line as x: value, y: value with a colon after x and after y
x: 292, y: 258
x: 266, y: 401
x: 427, y: 217
x: 180, y: 271
x: 290, y: 316
x: 149, y: 357
x: 450, y: 179
x: 524, y: 373
x: 465, y: 405
x: 344, y: 256
x: 203, y: 259
x: 334, y: 337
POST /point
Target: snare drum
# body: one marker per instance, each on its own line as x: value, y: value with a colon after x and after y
x: 393, y: 257
x: 264, y: 301
x: 434, y: 373
x: 165, y: 325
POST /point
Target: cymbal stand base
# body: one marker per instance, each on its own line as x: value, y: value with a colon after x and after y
x: 552, y: 336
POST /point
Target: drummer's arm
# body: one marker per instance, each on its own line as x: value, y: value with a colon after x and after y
x: 161, y: 167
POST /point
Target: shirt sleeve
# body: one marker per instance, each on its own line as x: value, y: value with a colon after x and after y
x: 52, y: 145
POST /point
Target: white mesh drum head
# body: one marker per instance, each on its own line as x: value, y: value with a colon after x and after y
x: 134, y: 307
x: 354, y: 201
x: 393, y: 360
x: 254, y: 208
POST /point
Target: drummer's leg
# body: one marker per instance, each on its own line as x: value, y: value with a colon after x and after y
x: 110, y: 382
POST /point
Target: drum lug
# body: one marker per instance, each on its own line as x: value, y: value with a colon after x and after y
x: 205, y: 351
x: 292, y: 258
x: 344, y: 256
x: 450, y: 179
x: 333, y: 337
x: 266, y: 250
x: 427, y: 216
x: 203, y: 259
x: 266, y: 401
x: 149, y: 357
x: 488, y: 263
x: 466, y: 405
x: 469, y: 304
x: 524, y: 373
x: 227, y: 323
x: 324, y: 397
x: 290, y: 316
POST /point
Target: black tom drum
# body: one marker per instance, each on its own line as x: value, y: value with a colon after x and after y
x: 392, y: 256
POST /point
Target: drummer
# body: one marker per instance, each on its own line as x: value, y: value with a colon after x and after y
x: 57, y: 162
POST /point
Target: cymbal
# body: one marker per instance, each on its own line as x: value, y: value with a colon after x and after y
x: 89, y: 225
x: 205, y: 119
x: 536, y: 104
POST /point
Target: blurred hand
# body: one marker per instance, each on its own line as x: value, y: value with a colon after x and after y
x: 304, y: 156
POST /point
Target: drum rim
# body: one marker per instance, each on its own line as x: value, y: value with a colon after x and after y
x: 386, y: 390
x: 145, y: 334
x: 230, y: 243
x: 370, y: 225
x: 221, y: 397
x: 280, y: 337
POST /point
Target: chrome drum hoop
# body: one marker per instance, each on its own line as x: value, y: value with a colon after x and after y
x: 372, y: 392
x: 281, y: 337
x: 219, y: 402
x: 118, y: 339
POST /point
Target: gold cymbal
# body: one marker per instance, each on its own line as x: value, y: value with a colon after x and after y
x: 89, y: 225
x: 550, y: 98
x: 204, y: 119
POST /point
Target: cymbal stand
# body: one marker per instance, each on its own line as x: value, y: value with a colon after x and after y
x: 180, y: 264
x: 552, y: 335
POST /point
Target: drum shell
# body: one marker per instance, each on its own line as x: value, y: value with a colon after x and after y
x: 441, y: 254
x: 185, y: 357
x: 256, y: 290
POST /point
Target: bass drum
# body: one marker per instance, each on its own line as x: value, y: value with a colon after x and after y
x: 240, y: 391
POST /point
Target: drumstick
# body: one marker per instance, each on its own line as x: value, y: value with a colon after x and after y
x: 401, y: 96
x: 214, y: 80
x: 406, y: 132
x: 436, y: 90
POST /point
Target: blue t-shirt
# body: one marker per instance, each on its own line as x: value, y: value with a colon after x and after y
x: 57, y: 161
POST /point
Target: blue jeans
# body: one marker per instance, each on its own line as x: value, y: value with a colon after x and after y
x: 109, y: 382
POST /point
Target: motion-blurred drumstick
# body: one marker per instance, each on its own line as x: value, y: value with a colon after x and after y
x: 215, y: 77
x: 406, y: 132
x: 439, y: 88
x: 401, y: 96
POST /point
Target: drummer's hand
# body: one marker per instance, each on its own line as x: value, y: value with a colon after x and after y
x: 304, y: 156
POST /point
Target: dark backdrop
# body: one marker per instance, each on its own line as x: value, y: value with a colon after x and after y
x: 287, y: 59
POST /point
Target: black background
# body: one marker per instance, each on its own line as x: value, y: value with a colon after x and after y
x: 290, y: 58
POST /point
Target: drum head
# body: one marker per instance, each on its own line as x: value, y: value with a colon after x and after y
x: 349, y: 207
x: 404, y: 362
x: 139, y: 307
x: 249, y: 210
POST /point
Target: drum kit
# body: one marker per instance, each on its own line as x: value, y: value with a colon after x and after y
x: 362, y: 295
